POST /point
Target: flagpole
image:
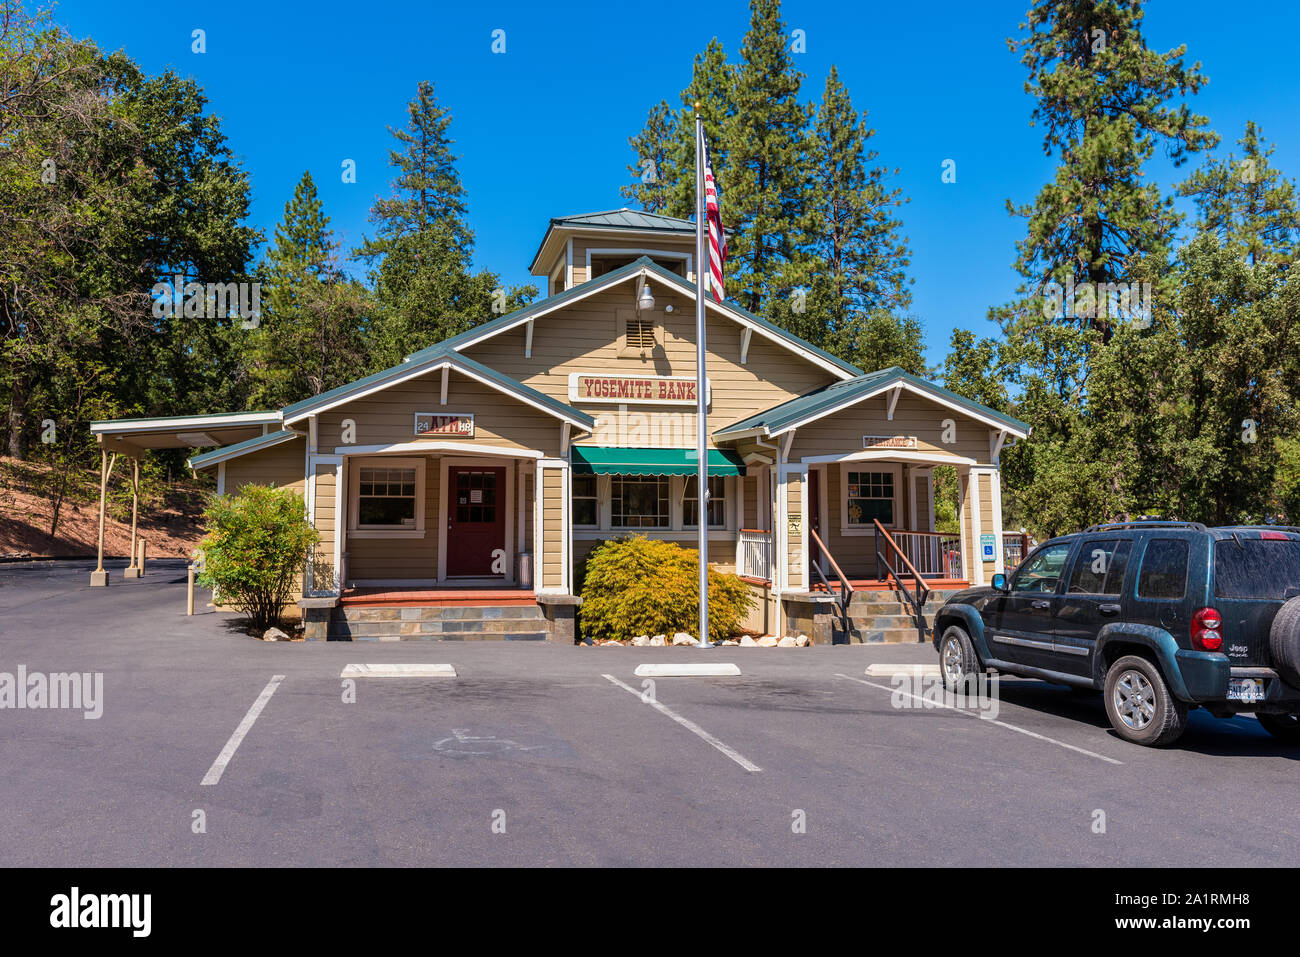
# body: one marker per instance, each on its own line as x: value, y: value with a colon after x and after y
x: 701, y: 432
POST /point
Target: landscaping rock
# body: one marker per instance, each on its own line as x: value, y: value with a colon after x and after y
x: 641, y: 640
x: 802, y: 641
x: 658, y: 641
x: 681, y: 638
x: 767, y: 641
x: 613, y: 643
x: 732, y: 641
x: 788, y: 641
x: 274, y: 634
x: 747, y: 641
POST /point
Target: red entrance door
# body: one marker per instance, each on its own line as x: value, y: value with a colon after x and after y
x: 476, y: 521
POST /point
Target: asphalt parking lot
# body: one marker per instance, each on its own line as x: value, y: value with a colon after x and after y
x: 543, y: 755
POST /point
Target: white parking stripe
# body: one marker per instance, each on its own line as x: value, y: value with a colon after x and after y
x: 1001, y: 724
x: 398, y: 671
x: 228, y: 752
x: 691, y: 726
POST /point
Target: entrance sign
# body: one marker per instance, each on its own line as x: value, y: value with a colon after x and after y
x: 621, y: 389
x: 889, y: 441
x: 430, y: 424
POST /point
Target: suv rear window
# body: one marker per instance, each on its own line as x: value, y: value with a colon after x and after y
x: 1257, y: 568
x: 1164, y: 569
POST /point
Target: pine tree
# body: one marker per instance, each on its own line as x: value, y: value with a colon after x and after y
x: 766, y: 177
x: 654, y: 169
x: 856, y: 244
x: 421, y: 255
x: 1246, y: 202
x: 312, y: 334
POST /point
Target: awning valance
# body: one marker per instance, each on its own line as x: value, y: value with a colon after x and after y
x: 591, y: 460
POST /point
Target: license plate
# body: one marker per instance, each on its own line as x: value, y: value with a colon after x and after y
x: 1247, y: 690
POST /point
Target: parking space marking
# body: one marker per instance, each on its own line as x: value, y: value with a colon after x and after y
x: 686, y: 671
x: 228, y: 752
x: 1002, y: 724
x: 884, y: 671
x: 398, y: 671
x: 691, y: 726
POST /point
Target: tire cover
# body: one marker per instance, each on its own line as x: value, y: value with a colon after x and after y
x: 1284, y: 642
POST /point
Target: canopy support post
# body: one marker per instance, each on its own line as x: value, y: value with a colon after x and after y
x: 99, y: 577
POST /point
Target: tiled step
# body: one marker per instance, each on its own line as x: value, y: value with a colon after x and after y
x: 445, y: 622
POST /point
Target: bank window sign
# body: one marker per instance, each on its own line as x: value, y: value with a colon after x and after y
x: 429, y: 425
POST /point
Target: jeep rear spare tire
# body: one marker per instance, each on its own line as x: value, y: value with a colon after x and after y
x: 1284, y: 642
x: 1139, y: 704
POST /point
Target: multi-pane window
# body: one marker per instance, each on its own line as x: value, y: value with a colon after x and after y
x: 476, y: 497
x: 639, y: 501
x: 870, y: 496
x: 386, y: 497
x: 584, y: 500
x: 717, y: 506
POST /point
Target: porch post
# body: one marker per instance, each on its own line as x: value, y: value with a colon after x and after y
x: 99, y: 577
x: 134, y: 570
x: 976, y: 562
x: 995, y: 490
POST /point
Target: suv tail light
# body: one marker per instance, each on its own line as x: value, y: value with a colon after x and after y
x: 1207, y: 630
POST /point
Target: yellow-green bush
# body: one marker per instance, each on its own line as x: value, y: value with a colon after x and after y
x: 643, y: 586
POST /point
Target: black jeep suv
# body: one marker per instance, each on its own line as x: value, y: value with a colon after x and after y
x: 1160, y: 616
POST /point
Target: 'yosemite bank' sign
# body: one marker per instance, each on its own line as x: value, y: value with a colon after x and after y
x: 659, y: 390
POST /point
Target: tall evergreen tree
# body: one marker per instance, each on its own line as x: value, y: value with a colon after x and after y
x: 1247, y: 202
x: 767, y: 175
x: 421, y: 254
x: 856, y: 244
x: 654, y: 169
x: 312, y: 334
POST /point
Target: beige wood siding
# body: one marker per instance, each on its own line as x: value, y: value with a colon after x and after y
x: 401, y: 558
x: 282, y: 466
x: 914, y: 415
x: 325, y: 485
x: 583, y: 337
x: 793, y: 530
x: 388, y: 417
x: 750, y: 517
x: 552, y: 528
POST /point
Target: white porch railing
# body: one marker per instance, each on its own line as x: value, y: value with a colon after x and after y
x: 934, y: 554
x: 756, y: 553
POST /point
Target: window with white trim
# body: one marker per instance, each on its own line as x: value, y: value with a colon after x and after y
x: 639, y: 501
x: 717, y: 505
x: 870, y: 495
x: 585, y: 512
x: 386, y: 497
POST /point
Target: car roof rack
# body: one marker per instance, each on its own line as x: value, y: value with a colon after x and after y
x: 1145, y: 523
x: 1276, y: 528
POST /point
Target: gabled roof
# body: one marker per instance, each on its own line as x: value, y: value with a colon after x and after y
x: 182, y: 431
x: 840, y: 395
x: 242, y: 448
x: 635, y: 221
x: 430, y: 360
x: 644, y: 264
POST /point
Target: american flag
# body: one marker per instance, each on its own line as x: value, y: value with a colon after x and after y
x: 717, y: 235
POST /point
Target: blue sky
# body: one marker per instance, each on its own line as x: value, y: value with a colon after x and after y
x: 542, y: 129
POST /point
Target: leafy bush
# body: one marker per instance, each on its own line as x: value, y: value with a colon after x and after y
x: 257, y: 543
x: 643, y: 586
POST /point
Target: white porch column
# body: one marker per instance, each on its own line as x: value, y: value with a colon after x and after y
x: 995, y: 489
x: 973, y: 497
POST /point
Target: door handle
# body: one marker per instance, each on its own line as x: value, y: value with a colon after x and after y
x: 1109, y: 608
x: 1042, y: 604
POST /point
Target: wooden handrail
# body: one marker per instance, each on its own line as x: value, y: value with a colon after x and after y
x: 756, y: 531
x: 894, y: 545
x: 908, y: 531
x: 829, y: 557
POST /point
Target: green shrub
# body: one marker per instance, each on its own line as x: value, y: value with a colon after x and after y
x: 644, y: 586
x: 256, y: 545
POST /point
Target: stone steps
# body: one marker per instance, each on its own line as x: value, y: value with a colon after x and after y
x: 458, y: 622
x: 884, y: 617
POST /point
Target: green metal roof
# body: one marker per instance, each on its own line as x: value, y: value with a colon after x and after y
x: 433, y: 358
x: 626, y: 218
x: 790, y: 414
x: 593, y: 460
x: 611, y: 278
x: 241, y: 448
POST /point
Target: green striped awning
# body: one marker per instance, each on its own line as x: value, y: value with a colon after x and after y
x: 591, y: 460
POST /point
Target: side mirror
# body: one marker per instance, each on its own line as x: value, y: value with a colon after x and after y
x: 1000, y: 582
